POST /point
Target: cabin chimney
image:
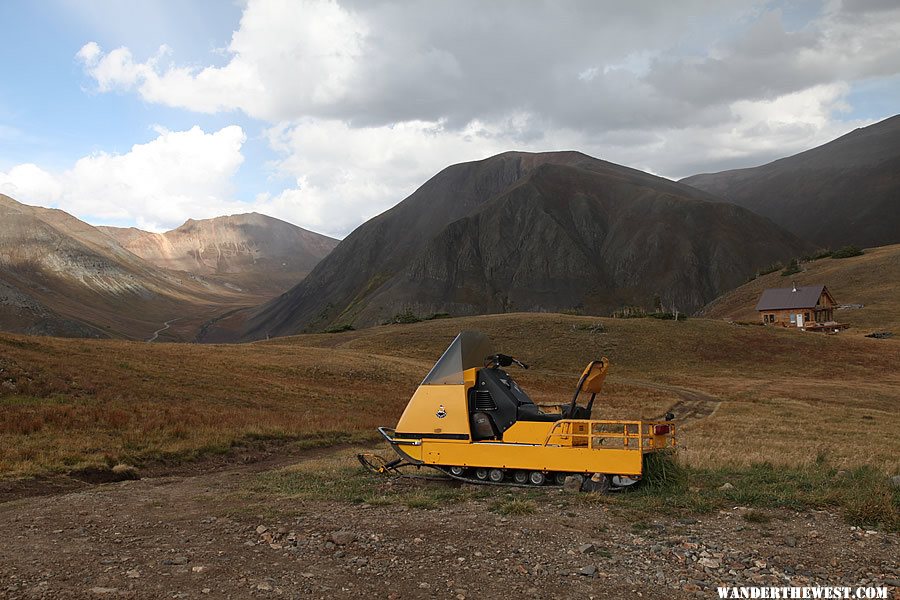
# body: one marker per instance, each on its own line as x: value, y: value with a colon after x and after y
x: 793, y: 286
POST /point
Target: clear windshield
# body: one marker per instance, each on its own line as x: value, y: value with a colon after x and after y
x: 467, y: 351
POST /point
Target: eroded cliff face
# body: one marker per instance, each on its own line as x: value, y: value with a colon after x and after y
x: 30, y: 244
x: 250, y: 251
x: 61, y: 276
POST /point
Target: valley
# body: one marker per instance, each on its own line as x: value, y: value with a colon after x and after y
x: 60, y: 276
x: 249, y: 484
x: 141, y: 403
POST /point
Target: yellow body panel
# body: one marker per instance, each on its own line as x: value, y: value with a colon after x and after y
x: 612, y: 461
x: 527, y: 432
x: 571, y: 446
x: 423, y: 413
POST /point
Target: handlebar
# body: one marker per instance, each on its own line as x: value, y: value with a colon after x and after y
x: 502, y: 360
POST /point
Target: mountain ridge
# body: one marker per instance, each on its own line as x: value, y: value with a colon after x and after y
x: 61, y: 276
x: 846, y: 191
x: 456, y: 233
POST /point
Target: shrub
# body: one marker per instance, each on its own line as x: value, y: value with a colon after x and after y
x: 630, y: 312
x: 406, y: 316
x: 435, y: 316
x: 820, y: 254
x: 667, y: 316
x: 770, y: 269
x: 846, y: 252
x: 340, y: 328
x: 792, y: 268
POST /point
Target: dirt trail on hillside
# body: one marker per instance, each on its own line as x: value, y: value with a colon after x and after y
x: 208, y: 535
x: 692, y: 406
x: 165, y: 326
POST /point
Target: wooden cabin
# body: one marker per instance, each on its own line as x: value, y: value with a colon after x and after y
x: 805, y: 307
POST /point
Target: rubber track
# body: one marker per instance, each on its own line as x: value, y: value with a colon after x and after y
x: 477, y: 481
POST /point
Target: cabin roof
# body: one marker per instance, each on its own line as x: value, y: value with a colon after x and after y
x: 805, y: 296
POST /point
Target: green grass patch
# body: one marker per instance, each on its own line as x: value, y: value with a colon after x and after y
x: 864, y: 495
x: 513, y: 507
x: 639, y: 527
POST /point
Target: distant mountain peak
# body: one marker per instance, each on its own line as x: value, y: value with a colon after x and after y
x: 247, y: 250
x: 844, y: 192
x: 531, y: 231
x: 62, y: 276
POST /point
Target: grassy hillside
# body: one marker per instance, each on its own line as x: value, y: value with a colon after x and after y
x: 870, y: 280
x: 72, y: 403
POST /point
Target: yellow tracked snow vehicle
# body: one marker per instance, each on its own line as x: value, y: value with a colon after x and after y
x: 470, y: 420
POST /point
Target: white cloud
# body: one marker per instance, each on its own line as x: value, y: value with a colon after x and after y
x: 578, y: 65
x: 759, y: 131
x: 30, y: 181
x: 346, y: 175
x: 364, y: 101
x: 284, y: 53
x: 158, y: 185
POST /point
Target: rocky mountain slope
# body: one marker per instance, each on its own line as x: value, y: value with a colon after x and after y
x: 844, y: 192
x: 533, y: 232
x: 60, y: 276
x: 251, y: 252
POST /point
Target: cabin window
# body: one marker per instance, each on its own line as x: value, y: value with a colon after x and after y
x: 806, y: 316
x: 793, y: 318
x: 765, y: 318
x: 771, y: 318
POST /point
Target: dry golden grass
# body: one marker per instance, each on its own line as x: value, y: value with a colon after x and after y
x: 786, y: 398
x: 870, y: 280
x: 77, y: 403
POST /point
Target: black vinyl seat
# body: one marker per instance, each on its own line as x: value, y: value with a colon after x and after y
x: 510, y: 399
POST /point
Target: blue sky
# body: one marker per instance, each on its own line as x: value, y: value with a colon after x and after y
x: 326, y: 113
x: 51, y: 108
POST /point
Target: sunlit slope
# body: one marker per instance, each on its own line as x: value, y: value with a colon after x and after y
x: 75, y: 402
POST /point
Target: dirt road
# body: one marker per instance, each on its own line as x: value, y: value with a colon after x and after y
x: 692, y: 405
x: 206, y: 535
x: 165, y: 326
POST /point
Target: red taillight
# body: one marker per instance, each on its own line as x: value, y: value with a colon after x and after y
x: 661, y: 429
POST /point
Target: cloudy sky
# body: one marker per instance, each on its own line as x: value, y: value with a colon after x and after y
x: 325, y: 113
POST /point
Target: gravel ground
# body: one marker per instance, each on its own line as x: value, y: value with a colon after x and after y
x: 204, y: 536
